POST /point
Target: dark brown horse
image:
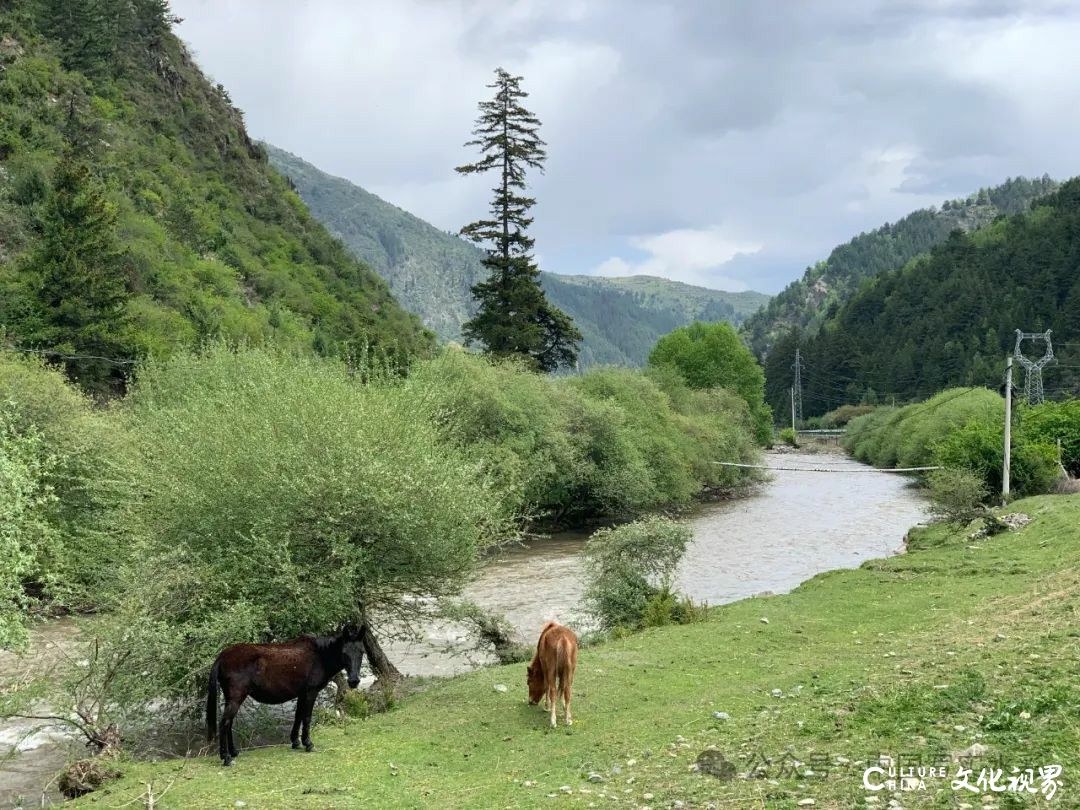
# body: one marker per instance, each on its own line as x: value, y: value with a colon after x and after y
x: 276, y: 673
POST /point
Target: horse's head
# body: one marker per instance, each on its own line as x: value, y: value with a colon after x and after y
x: 534, y: 678
x: 352, y: 653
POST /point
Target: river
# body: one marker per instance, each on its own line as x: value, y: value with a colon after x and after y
x: 797, y: 525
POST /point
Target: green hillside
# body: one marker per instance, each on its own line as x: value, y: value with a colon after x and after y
x: 949, y: 318
x: 622, y: 318
x: 107, y: 124
x: 431, y: 272
x: 806, y: 302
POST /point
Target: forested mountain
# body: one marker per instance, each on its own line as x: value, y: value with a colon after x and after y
x: 806, y: 302
x: 622, y: 318
x: 431, y: 273
x: 949, y: 318
x: 135, y: 213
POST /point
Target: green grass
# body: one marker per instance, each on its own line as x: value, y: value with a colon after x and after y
x: 956, y: 642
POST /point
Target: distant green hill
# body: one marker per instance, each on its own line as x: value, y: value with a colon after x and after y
x: 431, y: 272
x: 622, y: 318
x: 948, y: 318
x: 806, y: 302
x: 212, y: 241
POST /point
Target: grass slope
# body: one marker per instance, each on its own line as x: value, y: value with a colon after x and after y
x: 215, y: 243
x: 432, y: 272
x: 917, y: 657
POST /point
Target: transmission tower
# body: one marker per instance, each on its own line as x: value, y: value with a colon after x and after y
x: 797, y: 387
x: 1033, y: 381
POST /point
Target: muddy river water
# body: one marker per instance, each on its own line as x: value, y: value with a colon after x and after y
x: 798, y: 524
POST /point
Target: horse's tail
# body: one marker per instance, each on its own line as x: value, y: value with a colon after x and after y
x: 211, y: 701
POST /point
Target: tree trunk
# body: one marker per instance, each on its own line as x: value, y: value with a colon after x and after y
x: 380, y: 664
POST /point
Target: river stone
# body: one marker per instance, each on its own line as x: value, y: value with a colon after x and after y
x: 499, y: 687
x: 595, y: 777
x: 721, y: 715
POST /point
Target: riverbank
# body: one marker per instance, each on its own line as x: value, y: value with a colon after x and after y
x: 958, y: 643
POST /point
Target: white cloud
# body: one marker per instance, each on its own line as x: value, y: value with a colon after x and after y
x: 696, y: 256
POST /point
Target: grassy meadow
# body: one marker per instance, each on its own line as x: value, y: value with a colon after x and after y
x: 961, y: 642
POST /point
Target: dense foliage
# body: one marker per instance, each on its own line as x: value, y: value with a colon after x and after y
x: 281, y: 494
x: 128, y: 186
x: 949, y: 318
x: 711, y: 355
x: 628, y: 567
x: 807, y: 302
x: 960, y: 429
x: 431, y: 273
x: 258, y: 493
x: 65, y: 481
x: 608, y: 442
x: 513, y: 318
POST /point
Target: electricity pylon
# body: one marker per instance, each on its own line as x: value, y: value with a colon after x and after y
x: 1033, y: 381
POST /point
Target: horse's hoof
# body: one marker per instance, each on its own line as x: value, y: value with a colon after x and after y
x: 569, y: 722
x: 309, y: 747
x: 296, y: 745
x: 226, y: 763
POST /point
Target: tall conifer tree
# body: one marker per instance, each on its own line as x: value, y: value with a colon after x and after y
x: 78, y: 280
x: 514, y: 319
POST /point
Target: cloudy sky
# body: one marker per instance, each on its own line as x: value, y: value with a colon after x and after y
x: 718, y: 142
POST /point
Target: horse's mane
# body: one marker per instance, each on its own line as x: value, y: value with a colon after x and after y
x: 325, y: 642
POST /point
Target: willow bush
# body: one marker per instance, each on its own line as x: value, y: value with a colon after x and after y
x: 66, y: 481
x: 608, y: 442
x: 963, y: 429
x: 629, y: 572
x: 281, y: 494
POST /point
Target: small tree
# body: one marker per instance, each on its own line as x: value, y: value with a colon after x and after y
x: 711, y: 355
x: 628, y: 566
x: 514, y: 319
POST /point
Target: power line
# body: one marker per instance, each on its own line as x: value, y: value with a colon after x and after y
x: 63, y: 356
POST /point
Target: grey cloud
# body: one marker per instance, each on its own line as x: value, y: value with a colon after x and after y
x: 792, y: 125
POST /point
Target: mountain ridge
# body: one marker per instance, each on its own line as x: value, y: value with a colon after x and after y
x: 806, y: 302
x: 214, y: 244
x: 431, y: 272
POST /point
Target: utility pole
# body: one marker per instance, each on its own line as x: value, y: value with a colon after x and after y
x: 797, y: 390
x: 793, y: 409
x: 1005, y: 468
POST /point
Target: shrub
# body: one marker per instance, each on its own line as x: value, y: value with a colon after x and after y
x: 711, y: 355
x: 666, y: 606
x: 79, y: 460
x: 789, y: 437
x: 839, y: 417
x: 1052, y: 422
x: 904, y: 437
x: 979, y: 447
x: 280, y: 496
x: 25, y: 502
x: 631, y: 566
x: 608, y: 442
x: 956, y: 495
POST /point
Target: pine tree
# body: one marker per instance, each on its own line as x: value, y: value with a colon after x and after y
x: 77, y: 280
x: 514, y: 319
